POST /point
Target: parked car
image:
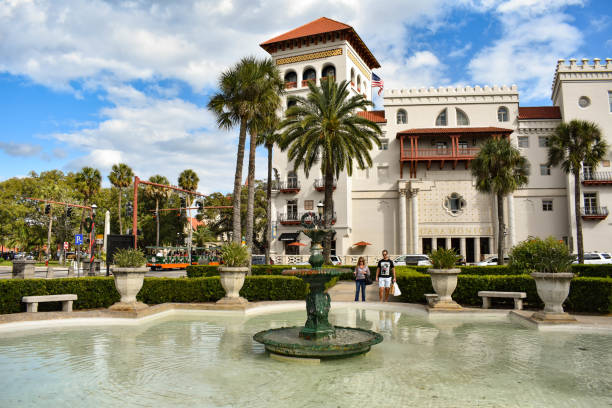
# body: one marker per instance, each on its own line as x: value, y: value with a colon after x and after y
x: 597, y: 258
x: 416, y: 260
x: 492, y: 260
x: 335, y: 260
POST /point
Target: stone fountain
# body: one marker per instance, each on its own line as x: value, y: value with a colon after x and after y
x: 317, y: 338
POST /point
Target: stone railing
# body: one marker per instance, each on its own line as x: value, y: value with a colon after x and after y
x: 302, y: 260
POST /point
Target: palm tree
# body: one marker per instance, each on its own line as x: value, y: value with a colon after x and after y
x: 499, y: 169
x: 269, y: 138
x: 573, y: 145
x: 188, y: 180
x: 158, y: 194
x: 121, y: 177
x: 323, y: 128
x: 236, y: 104
x: 267, y: 100
x: 88, y: 182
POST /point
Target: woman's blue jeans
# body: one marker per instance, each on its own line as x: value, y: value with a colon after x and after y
x: 360, y: 283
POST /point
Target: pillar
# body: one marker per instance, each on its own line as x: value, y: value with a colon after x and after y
x: 462, y: 247
x: 511, y: 233
x: 477, y: 249
x: 448, y: 243
x: 415, y: 221
x: 402, y: 221
x: 434, y: 243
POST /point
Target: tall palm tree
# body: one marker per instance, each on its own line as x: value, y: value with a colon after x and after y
x: 158, y: 194
x: 234, y: 104
x: 267, y: 101
x: 323, y: 128
x: 268, y: 139
x: 88, y: 182
x: 121, y: 177
x: 573, y: 145
x: 188, y: 180
x: 499, y: 169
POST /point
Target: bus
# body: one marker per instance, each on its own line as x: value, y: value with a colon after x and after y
x: 164, y: 258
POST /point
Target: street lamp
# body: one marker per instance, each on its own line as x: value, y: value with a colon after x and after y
x: 320, y: 207
x: 93, y: 237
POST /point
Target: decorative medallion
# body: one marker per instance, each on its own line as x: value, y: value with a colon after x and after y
x: 454, y: 204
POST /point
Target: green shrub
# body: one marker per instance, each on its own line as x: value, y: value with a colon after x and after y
x: 129, y: 258
x: 593, y: 271
x: 234, y: 254
x: 100, y: 292
x: 473, y: 269
x: 200, y: 271
x: 540, y: 255
x: 443, y: 258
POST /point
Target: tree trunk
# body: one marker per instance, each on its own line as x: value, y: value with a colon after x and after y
x: 579, y: 242
x: 500, y: 230
x: 237, y: 228
x: 49, y: 232
x: 328, y: 211
x: 251, y: 193
x: 157, y: 222
x: 120, y: 221
x: 189, y: 246
x: 269, y: 207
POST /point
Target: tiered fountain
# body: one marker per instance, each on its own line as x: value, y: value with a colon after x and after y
x: 317, y: 338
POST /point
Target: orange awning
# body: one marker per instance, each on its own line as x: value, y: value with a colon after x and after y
x: 296, y: 244
x: 361, y: 243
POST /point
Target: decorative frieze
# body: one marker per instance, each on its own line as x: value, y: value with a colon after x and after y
x: 359, y: 65
x: 311, y: 56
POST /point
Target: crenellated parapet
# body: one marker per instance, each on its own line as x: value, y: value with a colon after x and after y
x: 449, y: 94
x: 587, y: 70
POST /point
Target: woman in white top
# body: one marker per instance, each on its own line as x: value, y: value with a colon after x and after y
x: 361, y: 271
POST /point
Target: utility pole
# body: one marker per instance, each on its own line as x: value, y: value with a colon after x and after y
x: 92, y: 240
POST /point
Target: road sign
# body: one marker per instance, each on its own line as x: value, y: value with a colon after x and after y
x: 65, y: 245
x: 78, y: 239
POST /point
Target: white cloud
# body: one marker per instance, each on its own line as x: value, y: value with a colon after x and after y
x: 20, y: 149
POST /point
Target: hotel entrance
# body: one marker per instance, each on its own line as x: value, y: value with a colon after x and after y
x: 471, y: 248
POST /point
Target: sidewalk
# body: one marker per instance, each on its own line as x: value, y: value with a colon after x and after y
x: 344, y: 291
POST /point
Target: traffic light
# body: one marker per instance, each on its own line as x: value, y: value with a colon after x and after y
x: 69, y: 212
x: 129, y: 209
x: 47, y: 208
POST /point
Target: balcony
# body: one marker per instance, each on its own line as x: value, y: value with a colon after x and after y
x: 319, y: 184
x: 325, y: 78
x: 594, y: 213
x: 290, y: 85
x: 597, y: 177
x: 306, y: 81
x: 290, y: 186
x: 289, y: 218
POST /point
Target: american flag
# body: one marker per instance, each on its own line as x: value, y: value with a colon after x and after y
x: 377, y: 83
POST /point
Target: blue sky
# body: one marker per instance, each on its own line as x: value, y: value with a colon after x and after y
x: 92, y: 82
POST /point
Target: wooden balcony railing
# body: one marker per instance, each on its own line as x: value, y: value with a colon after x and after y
x: 305, y: 82
x: 289, y: 85
x: 597, y: 177
x: 594, y: 213
x: 440, y: 152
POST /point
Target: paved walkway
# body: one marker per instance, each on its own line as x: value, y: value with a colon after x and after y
x: 344, y: 291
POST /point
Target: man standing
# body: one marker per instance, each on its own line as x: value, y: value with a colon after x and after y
x: 383, y: 276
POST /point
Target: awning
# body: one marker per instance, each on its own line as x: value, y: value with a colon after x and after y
x: 361, y: 243
x: 296, y: 244
x: 288, y: 236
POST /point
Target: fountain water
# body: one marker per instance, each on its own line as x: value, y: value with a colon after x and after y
x: 317, y: 338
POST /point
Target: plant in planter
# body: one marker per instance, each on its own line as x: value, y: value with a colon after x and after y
x: 444, y: 277
x: 235, y: 259
x: 129, y: 268
x: 549, y: 262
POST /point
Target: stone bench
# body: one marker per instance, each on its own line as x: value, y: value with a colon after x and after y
x: 33, y: 301
x: 487, y: 294
x: 431, y: 298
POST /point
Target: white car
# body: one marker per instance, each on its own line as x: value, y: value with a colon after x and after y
x: 415, y: 260
x: 335, y: 260
x: 492, y: 260
x: 597, y: 258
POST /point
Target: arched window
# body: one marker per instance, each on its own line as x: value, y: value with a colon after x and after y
x: 502, y: 114
x: 401, y: 118
x: 292, y: 180
x: 309, y: 75
x: 462, y: 118
x: 358, y: 83
x: 441, y: 119
x: 291, y: 76
x: 329, y: 71
x: 353, y: 76
x: 290, y: 103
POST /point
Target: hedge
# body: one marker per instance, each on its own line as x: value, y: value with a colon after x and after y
x: 593, y: 295
x: 593, y: 271
x: 100, y: 292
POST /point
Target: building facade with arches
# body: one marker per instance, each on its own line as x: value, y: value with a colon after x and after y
x: 419, y: 194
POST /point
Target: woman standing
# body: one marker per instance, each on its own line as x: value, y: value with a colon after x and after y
x: 361, y: 271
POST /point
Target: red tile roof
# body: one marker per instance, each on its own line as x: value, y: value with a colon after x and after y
x: 325, y: 25
x: 457, y: 131
x: 318, y: 26
x: 377, y: 116
x: 539, y: 112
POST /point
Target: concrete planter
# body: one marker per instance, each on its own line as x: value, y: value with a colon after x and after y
x: 444, y: 282
x: 23, y: 269
x: 553, y: 289
x: 128, y: 282
x: 232, y: 279
x: 87, y: 267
